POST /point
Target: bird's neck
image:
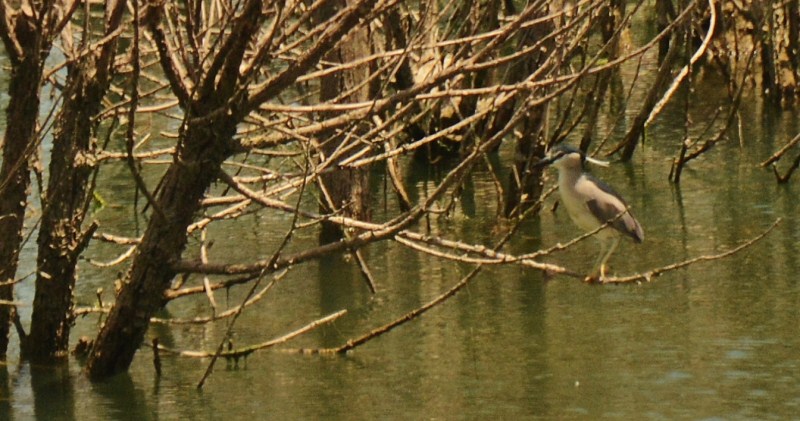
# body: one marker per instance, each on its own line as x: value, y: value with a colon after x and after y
x: 566, y: 178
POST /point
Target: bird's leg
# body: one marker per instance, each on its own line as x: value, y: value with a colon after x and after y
x: 614, y: 244
x: 597, y: 269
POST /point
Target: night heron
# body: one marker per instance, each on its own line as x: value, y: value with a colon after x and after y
x: 591, y: 203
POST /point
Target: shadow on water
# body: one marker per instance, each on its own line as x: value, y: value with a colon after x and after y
x: 677, y: 197
x: 123, y: 399
x: 5, y: 393
x: 53, y: 392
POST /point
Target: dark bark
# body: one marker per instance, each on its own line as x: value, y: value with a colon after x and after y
x: 762, y: 16
x: 68, y: 194
x: 27, y: 48
x: 791, y: 66
x: 19, y: 143
x: 665, y: 13
x: 792, y: 12
x: 6, y: 410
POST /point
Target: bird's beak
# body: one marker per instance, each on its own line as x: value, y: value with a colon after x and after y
x: 597, y: 161
x: 544, y: 162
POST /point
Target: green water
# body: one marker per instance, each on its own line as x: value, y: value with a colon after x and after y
x: 718, y: 340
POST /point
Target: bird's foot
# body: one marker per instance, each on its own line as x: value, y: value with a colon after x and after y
x: 598, y: 276
x: 593, y: 278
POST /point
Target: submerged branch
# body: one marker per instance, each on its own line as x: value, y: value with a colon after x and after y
x: 778, y: 155
x: 244, y: 352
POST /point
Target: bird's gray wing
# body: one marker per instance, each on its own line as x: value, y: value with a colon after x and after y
x: 626, y: 224
x: 609, y: 206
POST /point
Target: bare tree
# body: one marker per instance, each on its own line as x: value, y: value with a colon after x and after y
x: 28, y: 33
x: 90, y: 68
x: 215, y: 97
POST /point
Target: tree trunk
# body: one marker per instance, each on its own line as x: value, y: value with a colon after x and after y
x: 792, y: 12
x: 27, y: 50
x: 763, y: 16
x: 18, y: 145
x: 7, y: 409
x: 60, y: 236
x: 198, y: 158
x: 67, y: 198
x: 347, y: 189
x: 790, y: 66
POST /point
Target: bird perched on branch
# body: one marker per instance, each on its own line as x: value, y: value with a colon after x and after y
x: 592, y: 204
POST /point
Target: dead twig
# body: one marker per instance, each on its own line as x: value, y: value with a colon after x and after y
x: 119, y: 259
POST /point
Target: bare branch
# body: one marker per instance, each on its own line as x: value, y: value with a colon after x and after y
x: 141, y: 185
x: 649, y: 275
x: 172, y: 69
x: 676, y: 82
x: 14, y: 50
x: 340, y: 25
x: 778, y: 155
x: 224, y: 70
